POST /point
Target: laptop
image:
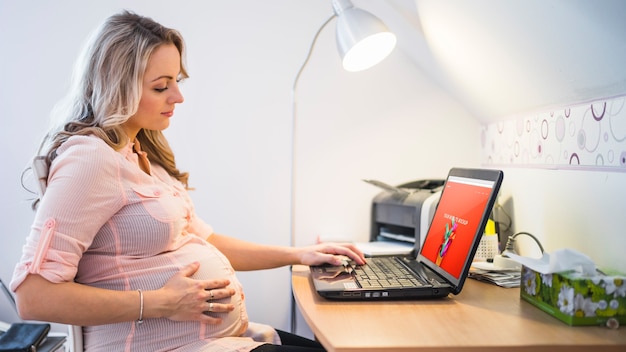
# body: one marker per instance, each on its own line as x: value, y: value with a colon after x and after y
x: 441, y: 265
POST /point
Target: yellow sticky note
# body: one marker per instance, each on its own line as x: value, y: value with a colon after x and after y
x: 490, y: 228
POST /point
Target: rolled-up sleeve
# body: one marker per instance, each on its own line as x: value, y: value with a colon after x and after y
x: 200, y: 228
x: 84, y: 191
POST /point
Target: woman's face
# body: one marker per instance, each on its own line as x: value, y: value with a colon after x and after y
x: 160, y: 92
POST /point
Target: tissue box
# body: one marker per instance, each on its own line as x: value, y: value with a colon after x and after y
x: 574, y: 298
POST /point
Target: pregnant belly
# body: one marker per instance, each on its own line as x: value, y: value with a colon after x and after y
x: 151, y: 273
x: 214, y: 265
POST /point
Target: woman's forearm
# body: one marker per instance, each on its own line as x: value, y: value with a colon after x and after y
x: 251, y: 256
x: 76, y: 304
x: 245, y: 256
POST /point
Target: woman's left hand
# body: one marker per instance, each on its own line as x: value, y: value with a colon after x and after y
x: 331, y: 253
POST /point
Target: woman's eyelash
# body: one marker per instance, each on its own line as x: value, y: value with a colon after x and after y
x: 161, y: 90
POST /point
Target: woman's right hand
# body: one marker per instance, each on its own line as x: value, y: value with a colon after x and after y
x: 183, y: 298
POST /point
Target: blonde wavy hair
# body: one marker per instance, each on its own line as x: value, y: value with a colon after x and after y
x: 107, y: 85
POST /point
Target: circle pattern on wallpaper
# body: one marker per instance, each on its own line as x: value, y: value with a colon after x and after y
x: 583, y: 136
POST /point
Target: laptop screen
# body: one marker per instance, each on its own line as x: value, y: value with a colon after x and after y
x: 459, y: 222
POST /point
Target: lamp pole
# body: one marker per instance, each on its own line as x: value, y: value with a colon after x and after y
x: 294, y: 144
x: 294, y: 132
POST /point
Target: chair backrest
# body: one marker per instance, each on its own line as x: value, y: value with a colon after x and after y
x: 75, y: 337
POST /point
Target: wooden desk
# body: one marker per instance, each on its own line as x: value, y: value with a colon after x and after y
x: 483, y: 317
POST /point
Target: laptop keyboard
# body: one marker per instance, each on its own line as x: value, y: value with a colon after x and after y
x: 385, y: 272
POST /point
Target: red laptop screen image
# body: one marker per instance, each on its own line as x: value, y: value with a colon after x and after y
x: 458, y: 217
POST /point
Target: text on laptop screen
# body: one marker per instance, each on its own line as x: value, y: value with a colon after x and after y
x: 456, y: 221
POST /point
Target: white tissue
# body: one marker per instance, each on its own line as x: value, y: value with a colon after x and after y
x: 560, y: 260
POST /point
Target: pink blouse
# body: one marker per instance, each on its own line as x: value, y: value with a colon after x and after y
x: 103, y: 222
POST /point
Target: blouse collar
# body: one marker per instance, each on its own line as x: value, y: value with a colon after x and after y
x: 132, y: 151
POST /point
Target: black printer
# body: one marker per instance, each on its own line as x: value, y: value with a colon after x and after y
x: 404, y: 212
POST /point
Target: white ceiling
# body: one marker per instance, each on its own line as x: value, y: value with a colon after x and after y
x: 502, y: 58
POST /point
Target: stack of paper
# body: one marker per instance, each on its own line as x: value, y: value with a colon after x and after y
x: 484, y: 271
x: 376, y: 248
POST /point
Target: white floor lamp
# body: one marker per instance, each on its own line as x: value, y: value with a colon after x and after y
x: 363, y: 41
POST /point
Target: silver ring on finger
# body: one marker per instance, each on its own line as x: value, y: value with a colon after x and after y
x: 211, y: 307
x: 211, y: 294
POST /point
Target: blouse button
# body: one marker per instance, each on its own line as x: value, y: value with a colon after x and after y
x: 49, y: 223
x: 157, y: 193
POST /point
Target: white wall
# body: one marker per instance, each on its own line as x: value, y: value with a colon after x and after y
x: 583, y: 210
x: 233, y: 133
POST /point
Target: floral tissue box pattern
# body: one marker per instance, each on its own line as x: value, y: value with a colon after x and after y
x: 576, y: 299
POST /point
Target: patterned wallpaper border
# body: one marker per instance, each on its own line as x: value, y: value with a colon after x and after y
x: 589, y: 136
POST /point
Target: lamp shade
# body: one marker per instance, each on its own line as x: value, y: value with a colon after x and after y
x: 363, y: 40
